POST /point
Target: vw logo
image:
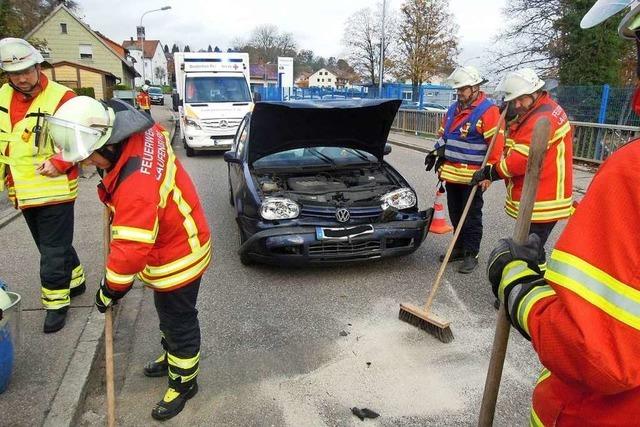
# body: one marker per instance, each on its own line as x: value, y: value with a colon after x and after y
x: 343, y: 215
x: 223, y: 123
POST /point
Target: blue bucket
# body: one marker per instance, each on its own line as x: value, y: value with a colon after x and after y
x: 9, y: 339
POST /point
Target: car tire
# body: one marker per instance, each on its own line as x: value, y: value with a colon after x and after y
x: 190, y: 151
x: 244, y: 258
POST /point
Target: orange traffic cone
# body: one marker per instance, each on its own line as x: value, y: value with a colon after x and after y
x: 439, y: 222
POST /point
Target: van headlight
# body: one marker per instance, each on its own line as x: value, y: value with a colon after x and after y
x: 274, y: 208
x: 190, y: 122
x: 403, y: 198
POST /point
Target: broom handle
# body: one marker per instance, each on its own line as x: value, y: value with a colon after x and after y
x: 108, y: 332
x: 467, y: 206
x: 537, y: 152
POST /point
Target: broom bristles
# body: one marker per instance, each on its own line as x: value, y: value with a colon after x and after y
x: 422, y: 320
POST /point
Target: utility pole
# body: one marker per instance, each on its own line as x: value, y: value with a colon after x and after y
x: 381, y: 73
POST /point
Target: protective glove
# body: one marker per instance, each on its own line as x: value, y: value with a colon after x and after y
x: 486, y: 173
x: 507, y: 251
x: 106, y: 297
x: 434, y: 158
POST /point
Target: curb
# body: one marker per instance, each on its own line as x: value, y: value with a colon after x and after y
x: 8, y: 215
x: 69, y: 398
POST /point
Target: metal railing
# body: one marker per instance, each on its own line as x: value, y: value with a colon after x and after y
x: 592, y: 142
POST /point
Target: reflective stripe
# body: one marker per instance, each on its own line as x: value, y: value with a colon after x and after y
x: 542, y: 211
x: 188, y: 223
x: 503, y: 169
x: 490, y: 132
x: 560, y: 133
x: 119, y: 279
x: 560, y: 167
x: 456, y: 174
x: 617, y: 299
x: 121, y: 232
x: 183, y: 363
x: 54, y: 299
x: 169, y: 181
x: 179, y: 264
x: 77, y: 277
x: 177, y: 278
x: 534, y: 419
x: 465, y: 151
x: 514, y: 270
x: 527, y: 303
x: 521, y: 148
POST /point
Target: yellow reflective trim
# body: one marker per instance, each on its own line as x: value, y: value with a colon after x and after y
x: 514, y: 270
x: 121, y: 232
x: 183, y: 363
x: 459, y: 175
x: 77, y: 272
x: 169, y: 181
x: 560, y: 133
x: 504, y: 169
x: 188, y: 223
x: 522, y: 149
x: 534, y: 420
x: 119, y: 279
x: 510, y: 142
x: 490, y: 132
x: 560, y: 167
x: 54, y: 299
x: 182, y: 277
x: 527, y: 303
x: 179, y: 264
x: 617, y: 299
x: 543, y: 375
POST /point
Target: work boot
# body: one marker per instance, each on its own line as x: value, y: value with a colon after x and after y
x: 457, y: 254
x: 157, y: 368
x: 78, y: 290
x: 55, y: 320
x: 173, y: 402
x: 469, y: 264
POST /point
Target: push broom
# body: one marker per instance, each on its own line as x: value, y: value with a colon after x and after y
x: 108, y: 332
x: 537, y: 152
x: 422, y: 317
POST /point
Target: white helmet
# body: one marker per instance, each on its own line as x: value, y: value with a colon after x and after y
x: 18, y: 55
x: 80, y: 126
x: 465, y: 76
x: 145, y: 87
x: 521, y: 82
x: 604, y: 9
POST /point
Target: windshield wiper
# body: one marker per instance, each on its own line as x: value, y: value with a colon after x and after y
x: 321, y: 156
x: 359, y: 154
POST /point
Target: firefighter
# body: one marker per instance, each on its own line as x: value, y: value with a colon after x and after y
x: 39, y: 182
x: 159, y: 232
x: 465, y: 133
x: 583, y: 316
x: 554, y: 200
x: 143, y: 99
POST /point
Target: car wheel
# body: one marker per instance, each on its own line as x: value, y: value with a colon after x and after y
x: 244, y: 258
x: 190, y: 151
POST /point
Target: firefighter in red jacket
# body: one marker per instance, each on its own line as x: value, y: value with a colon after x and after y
x: 159, y: 232
x: 39, y: 182
x: 583, y: 316
x: 467, y: 130
x: 143, y: 100
x: 554, y: 200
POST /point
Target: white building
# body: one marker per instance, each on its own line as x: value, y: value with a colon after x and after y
x: 323, y: 78
x: 155, y: 61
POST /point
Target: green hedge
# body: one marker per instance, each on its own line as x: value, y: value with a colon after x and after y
x: 122, y: 87
x: 166, y: 89
x: 85, y: 91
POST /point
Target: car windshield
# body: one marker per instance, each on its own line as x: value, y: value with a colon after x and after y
x: 315, y: 156
x: 216, y: 89
x: 155, y: 90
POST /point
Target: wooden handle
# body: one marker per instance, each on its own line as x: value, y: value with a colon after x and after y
x: 467, y: 206
x: 108, y: 331
x: 537, y: 152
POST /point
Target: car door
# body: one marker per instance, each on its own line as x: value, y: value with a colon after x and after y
x: 236, y: 174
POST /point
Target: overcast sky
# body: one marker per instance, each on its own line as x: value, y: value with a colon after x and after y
x: 315, y: 25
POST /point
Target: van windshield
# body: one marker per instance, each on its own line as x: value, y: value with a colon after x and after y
x: 216, y: 89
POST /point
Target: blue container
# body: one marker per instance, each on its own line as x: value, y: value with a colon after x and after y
x: 9, y: 339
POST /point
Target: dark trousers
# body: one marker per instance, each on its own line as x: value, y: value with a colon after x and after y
x: 52, y: 229
x: 180, y: 333
x: 471, y: 233
x: 542, y: 230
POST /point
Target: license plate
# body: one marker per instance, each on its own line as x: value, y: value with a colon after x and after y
x: 342, y: 233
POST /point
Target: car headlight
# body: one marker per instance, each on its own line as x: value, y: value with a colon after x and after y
x: 403, y: 198
x: 279, y: 208
x: 190, y: 122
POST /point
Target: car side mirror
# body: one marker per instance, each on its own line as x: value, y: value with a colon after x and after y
x: 387, y: 149
x: 231, y: 157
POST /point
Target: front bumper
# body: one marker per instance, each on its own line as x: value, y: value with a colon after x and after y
x: 157, y: 101
x: 298, y: 245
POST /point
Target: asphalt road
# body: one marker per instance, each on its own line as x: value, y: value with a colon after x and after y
x: 272, y: 352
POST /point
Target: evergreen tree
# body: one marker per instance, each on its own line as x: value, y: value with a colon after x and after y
x: 175, y: 48
x: 209, y: 49
x: 187, y: 48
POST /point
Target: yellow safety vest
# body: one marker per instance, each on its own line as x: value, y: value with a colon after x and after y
x: 29, y: 187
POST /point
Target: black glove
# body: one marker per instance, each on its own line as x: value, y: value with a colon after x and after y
x: 106, y: 297
x: 487, y: 172
x: 506, y: 251
x: 434, y: 158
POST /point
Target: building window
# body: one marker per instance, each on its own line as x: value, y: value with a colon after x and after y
x: 329, y: 80
x: 85, y: 51
x: 63, y: 28
x: 45, y: 53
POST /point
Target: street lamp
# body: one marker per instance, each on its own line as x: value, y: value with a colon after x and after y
x: 140, y: 31
x: 384, y: 10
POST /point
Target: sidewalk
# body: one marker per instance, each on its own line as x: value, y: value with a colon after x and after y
x: 51, y: 371
x: 582, y: 174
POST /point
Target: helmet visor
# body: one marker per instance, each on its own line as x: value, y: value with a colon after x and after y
x: 76, y: 142
x: 602, y: 10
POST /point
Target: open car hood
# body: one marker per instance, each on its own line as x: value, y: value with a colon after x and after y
x: 360, y: 124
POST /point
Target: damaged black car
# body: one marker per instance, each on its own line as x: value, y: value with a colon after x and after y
x: 309, y: 185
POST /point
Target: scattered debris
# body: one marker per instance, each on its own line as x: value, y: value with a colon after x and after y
x: 364, y: 413
x: 368, y: 364
x: 344, y: 333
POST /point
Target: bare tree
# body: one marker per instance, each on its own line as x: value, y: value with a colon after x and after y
x: 266, y: 43
x: 427, y: 41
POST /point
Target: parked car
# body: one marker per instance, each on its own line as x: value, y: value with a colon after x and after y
x: 155, y: 95
x: 309, y: 185
x: 434, y: 108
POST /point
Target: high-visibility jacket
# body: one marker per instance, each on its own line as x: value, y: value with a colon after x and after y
x: 584, y: 322
x: 466, y: 134
x: 143, y: 100
x: 26, y: 187
x: 159, y: 232
x: 554, y: 198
